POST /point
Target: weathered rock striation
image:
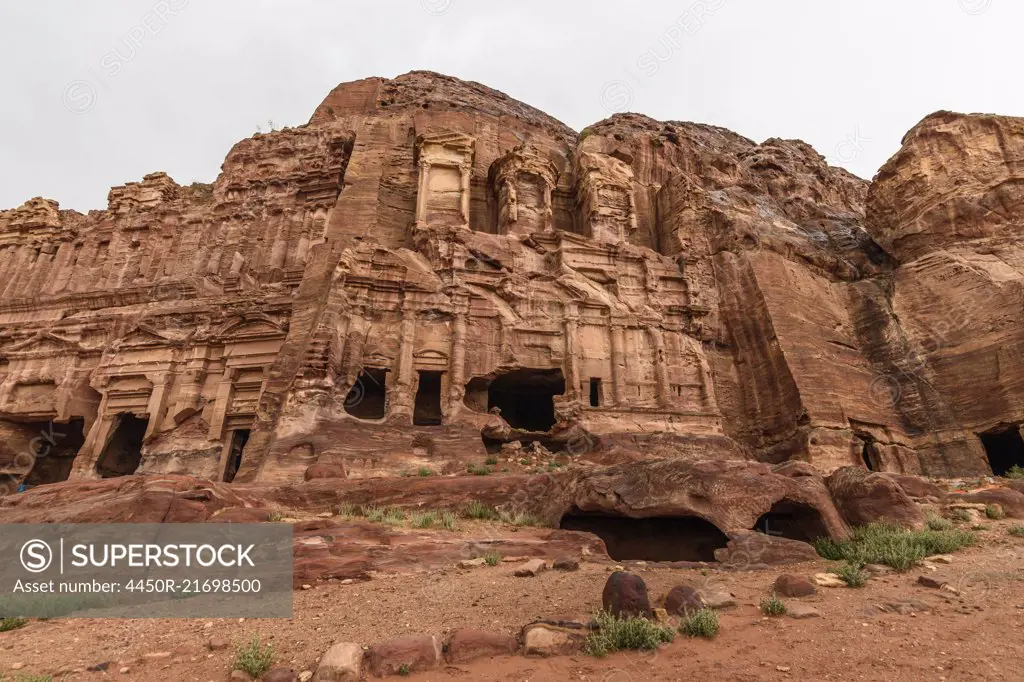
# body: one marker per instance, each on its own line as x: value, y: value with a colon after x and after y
x: 429, y: 270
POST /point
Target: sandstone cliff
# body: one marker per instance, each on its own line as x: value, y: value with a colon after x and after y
x: 430, y: 270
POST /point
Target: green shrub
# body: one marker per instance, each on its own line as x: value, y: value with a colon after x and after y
x: 8, y: 624
x: 424, y: 472
x: 492, y: 558
x: 880, y: 543
x: 375, y: 514
x: 939, y: 523
x: 480, y: 511
x: 961, y: 515
x: 275, y: 516
x: 491, y: 460
x: 700, y: 623
x: 447, y: 520
x: 995, y: 512
x: 1016, y: 471
x: 618, y: 634
x: 345, y: 510
x: 1017, y: 531
x: 524, y: 462
x: 478, y: 471
x: 519, y: 519
x: 772, y: 606
x: 404, y: 670
x: 424, y: 520
x: 852, y: 574
x: 253, y: 658
x: 394, y: 516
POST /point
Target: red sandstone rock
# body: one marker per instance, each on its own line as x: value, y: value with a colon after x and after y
x: 413, y: 653
x: 625, y: 595
x: 682, y: 599
x: 466, y: 645
x: 865, y: 498
x: 789, y: 585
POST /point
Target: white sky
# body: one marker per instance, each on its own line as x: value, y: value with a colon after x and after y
x: 848, y: 76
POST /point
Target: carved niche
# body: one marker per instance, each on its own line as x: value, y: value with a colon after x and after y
x: 522, y: 181
x: 445, y: 165
x: 604, y: 192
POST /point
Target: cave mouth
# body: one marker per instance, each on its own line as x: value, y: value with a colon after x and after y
x: 658, y: 538
x: 526, y: 397
x: 1004, y: 449
x: 794, y: 521
x: 123, y: 453
x: 54, y: 451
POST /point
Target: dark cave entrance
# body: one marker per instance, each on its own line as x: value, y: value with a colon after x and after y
x: 595, y: 392
x: 123, y: 453
x: 661, y: 538
x: 368, y: 397
x: 1004, y: 449
x: 526, y: 397
x: 54, y: 450
x: 869, y: 455
x: 794, y: 521
x: 239, y: 437
x: 428, y: 400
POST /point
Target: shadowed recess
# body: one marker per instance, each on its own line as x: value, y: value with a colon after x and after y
x: 660, y: 538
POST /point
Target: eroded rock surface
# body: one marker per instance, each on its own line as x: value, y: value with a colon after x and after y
x: 429, y: 270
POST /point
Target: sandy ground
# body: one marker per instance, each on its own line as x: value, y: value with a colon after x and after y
x: 973, y: 636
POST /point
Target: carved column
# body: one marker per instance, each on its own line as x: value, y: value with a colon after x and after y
x: 619, y: 379
x: 401, y: 396
x: 223, y: 399
x: 571, y: 364
x: 466, y: 177
x: 457, y: 359
x: 191, y: 392
x: 157, y: 399
x: 302, y: 250
x: 661, y: 379
x: 279, y: 252
x: 355, y: 339
x: 421, y: 192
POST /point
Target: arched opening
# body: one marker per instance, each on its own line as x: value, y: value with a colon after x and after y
x: 792, y: 520
x: 239, y: 438
x: 54, y: 450
x: 660, y: 538
x: 526, y: 397
x: 869, y: 455
x: 123, y: 453
x: 368, y: 397
x: 1004, y: 449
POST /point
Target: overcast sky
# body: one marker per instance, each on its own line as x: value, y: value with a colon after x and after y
x: 96, y: 94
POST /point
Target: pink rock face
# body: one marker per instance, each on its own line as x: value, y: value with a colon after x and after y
x: 429, y: 272
x: 413, y: 653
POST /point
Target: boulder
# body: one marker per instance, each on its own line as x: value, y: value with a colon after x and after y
x: 789, y: 585
x: 343, y: 662
x: 625, y: 594
x: 750, y: 550
x: 530, y: 568
x: 466, y: 645
x: 1010, y: 500
x: 413, y: 653
x: 682, y: 599
x: 550, y: 639
x: 566, y: 564
x: 802, y: 611
x: 863, y: 497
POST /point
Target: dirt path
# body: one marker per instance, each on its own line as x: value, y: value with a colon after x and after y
x: 939, y: 636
